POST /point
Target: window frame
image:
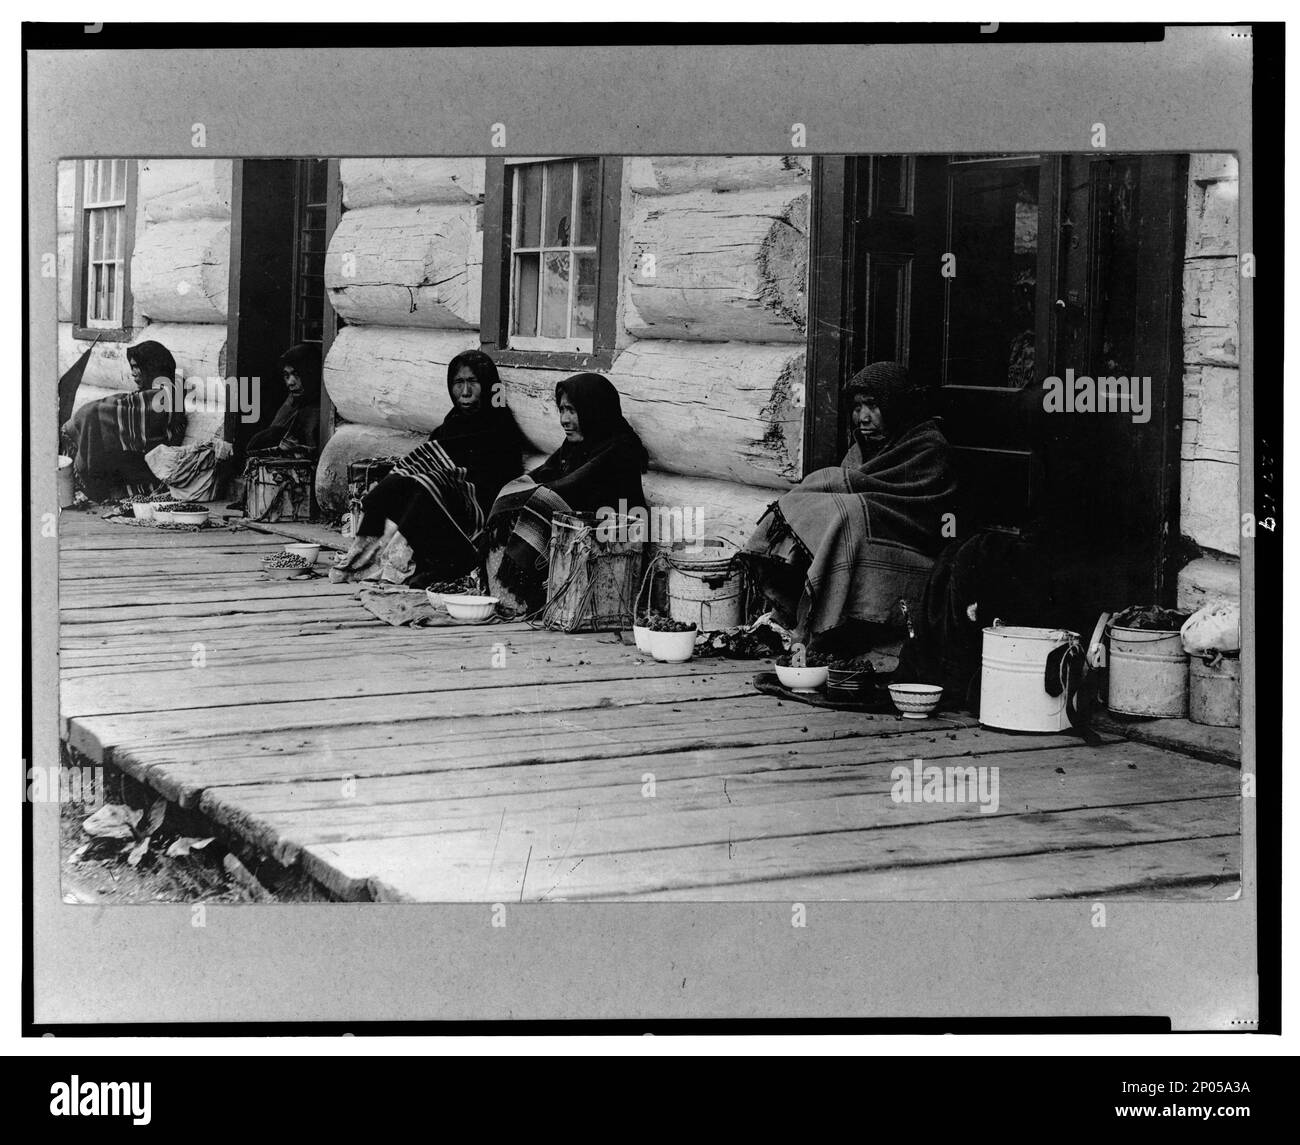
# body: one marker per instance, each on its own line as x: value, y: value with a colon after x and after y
x: 82, y: 329
x: 498, y: 219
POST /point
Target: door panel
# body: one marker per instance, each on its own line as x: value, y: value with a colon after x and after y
x: 1060, y: 262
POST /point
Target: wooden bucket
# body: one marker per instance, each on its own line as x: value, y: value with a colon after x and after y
x: 363, y: 475
x: 591, y: 580
x: 280, y: 489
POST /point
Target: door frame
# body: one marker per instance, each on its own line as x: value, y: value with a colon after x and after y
x: 835, y: 328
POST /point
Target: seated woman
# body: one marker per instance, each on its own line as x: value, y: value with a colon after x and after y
x: 274, y: 491
x: 599, y: 464
x: 437, y: 496
x: 845, y: 545
x: 295, y: 428
x: 110, y: 437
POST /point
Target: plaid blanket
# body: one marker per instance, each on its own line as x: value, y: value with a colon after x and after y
x: 863, y: 533
x: 518, y: 538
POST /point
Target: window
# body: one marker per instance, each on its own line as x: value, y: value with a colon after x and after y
x: 102, y: 247
x: 550, y: 261
x: 995, y: 333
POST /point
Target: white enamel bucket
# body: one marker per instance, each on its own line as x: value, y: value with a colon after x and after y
x: 1012, y: 695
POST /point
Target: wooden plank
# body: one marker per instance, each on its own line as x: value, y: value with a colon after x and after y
x: 569, y: 759
x: 224, y: 688
x: 95, y: 736
x: 1183, y: 870
x: 700, y: 796
x: 477, y: 867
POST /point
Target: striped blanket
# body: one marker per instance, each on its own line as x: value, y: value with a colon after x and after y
x: 432, y: 468
x: 110, y: 437
x: 519, y: 540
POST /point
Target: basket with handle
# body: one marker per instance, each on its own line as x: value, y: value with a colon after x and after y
x: 590, y: 576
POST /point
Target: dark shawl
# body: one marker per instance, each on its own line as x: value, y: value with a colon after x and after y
x: 110, y: 436
x: 603, y: 469
x: 296, y: 424
x: 865, y: 532
x: 486, y: 443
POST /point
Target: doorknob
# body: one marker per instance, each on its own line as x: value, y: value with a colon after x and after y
x: 1060, y: 304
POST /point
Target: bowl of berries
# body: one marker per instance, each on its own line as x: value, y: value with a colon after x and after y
x: 670, y: 641
x: 282, y: 566
x: 141, y: 507
x: 180, y: 512
x: 641, y: 633
x: 801, y: 670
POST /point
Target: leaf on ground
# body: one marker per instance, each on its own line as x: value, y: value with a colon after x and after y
x: 137, y: 852
x: 187, y: 843
x: 112, y: 821
x: 156, y: 815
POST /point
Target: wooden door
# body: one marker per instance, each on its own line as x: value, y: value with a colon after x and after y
x: 987, y: 275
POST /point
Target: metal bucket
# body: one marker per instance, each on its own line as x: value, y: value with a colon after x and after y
x: 705, y: 585
x: 1148, y: 673
x: 1214, y: 692
x: 66, y: 494
x: 1012, y: 695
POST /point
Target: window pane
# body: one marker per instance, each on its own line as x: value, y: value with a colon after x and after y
x: 555, y: 296
x: 93, y: 193
x: 525, y: 317
x: 110, y: 305
x: 98, y: 305
x: 110, y: 233
x: 584, y: 298
x: 559, y: 204
x: 528, y: 183
x: 588, y: 204
x: 120, y: 181
x: 991, y: 302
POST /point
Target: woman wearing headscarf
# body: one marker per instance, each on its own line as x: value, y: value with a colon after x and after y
x: 599, y: 465
x: 295, y: 428
x: 110, y: 437
x: 850, y: 541
x: 437, y: 496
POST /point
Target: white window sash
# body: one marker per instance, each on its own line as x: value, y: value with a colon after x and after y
x: 568, y: 343
x: 98, y: 203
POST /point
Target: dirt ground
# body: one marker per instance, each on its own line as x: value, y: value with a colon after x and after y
x: 98, y: 870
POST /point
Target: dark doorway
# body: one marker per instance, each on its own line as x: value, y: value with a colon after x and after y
x: 281, y: 226
x: 989, y: 274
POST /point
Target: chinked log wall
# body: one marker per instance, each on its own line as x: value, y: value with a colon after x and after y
x: 1211, y: 381
x: 180, y: 270
x: 712, y: 321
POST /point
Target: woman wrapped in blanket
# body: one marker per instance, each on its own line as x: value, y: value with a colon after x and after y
x: 598, y: 465
x: 437, y: 496
x: 295, y: 428
x: 110, y: 437
x: 837, y: 553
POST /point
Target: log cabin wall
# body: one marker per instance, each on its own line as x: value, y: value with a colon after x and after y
x: 403, y: 270
x: 711, y: 323
x: 180, y: 269
x: 1211, y: 382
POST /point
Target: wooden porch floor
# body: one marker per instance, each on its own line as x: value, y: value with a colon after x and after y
x: 400, y: 764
